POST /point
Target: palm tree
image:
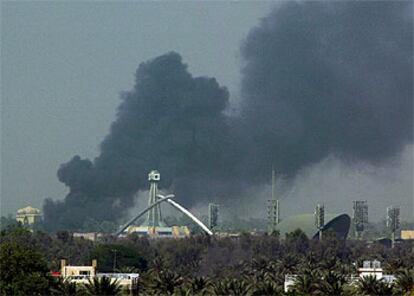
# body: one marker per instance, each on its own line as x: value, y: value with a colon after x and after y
x: 127, y: 269
x: 102, y: 286
x: 199, y: 286
x: 231, y: 287
x: 370, y: 285
x: 289, y: 262
x: 65, y: 288
x: 307, y: 282
x: 163, y: 282
x: 332, y: 283
x: 393, y: 265
x: 404, y: 284
x: 266, y: 288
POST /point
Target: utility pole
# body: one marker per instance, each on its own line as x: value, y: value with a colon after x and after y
x: 393, y: 221
x: 320, y: 219
x: 114, y: 266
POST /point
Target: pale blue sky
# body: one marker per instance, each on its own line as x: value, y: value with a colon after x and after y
x: 63, y: 65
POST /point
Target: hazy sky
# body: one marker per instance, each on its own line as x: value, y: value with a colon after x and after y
x: 64, y: 64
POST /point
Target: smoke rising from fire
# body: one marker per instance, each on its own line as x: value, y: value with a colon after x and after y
x: 319, y: 79
x: 328, y: 78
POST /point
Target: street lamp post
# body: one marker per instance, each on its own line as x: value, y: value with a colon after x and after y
x: 114, y: 265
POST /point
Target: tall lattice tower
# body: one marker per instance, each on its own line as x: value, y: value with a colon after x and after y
x: 154, y: 217
x: 393, y: 221
x: 360, y: 217
x: 320, y: 219
x: 273, y: 211
x: 213, y: 211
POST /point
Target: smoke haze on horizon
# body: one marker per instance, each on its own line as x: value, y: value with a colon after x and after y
x: 319, y: 80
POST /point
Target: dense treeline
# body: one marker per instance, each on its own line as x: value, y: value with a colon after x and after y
x: 244, y: 265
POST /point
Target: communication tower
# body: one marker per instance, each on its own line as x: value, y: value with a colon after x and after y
x: 154, y: 217
x: 213, y: 210
x: 393, y: 221
x: 320, y: 219
x: 360, y: 216
x: 273, y: 211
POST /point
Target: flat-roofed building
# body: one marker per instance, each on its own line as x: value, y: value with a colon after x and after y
x: 160, y: 231
x: 73, y: 270
x: 407, y: 234
x: 85, y: 273
x: 92, y: 236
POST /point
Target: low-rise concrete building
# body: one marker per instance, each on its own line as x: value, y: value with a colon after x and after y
x: 160, y: 231
x: 369, y: 268
x: 84, y: 274
x: 407, y: 234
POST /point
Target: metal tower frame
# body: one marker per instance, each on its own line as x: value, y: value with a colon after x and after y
x: 273, y: 211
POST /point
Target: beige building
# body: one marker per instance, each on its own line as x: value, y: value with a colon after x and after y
x: 28, y: 215
x: 92, y: 236
x: 160, y: 231
x: 84, y: 274
x: 407, y: 234
x: 72, y: 271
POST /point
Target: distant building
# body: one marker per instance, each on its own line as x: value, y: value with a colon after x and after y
x: 84, y: 274
x: 69, y: 271
x: 159, y: 231
x: 369, y: 268
x: 92, y: 236
x: 407, y: 234
x: 28, y: 215
x: 373, y: 268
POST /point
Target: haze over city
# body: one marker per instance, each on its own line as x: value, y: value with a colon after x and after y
x: 207, y: 148
x: 65, y: 67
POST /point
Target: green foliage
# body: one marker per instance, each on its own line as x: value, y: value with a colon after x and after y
x: 307, y: 282
x: 8, y: 223
x: 232, y: 286
x: 370, y: 285
x: 102, y: 286
x: 65, y: 288
x: 182, y: 255
x: 201, y: 265
x: 198, y: 286
x: 164, y: 282
x: 333, y: 283
x: 118, y: 254
x: 23, y: 271
x: 404, y: 284
x: 297, y: 240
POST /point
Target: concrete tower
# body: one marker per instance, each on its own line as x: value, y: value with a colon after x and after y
x: 154, y: 217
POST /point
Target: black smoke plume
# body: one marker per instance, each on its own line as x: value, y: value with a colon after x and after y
x: 325, y: 78
x: 318, y: 79
x: 170, y: 121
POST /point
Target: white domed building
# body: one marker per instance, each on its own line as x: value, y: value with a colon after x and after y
x: 28, y: 215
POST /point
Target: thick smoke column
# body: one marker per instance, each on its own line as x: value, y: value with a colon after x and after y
x: 325, y: 78
x: 170, y: 121
x: 318, y: 79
